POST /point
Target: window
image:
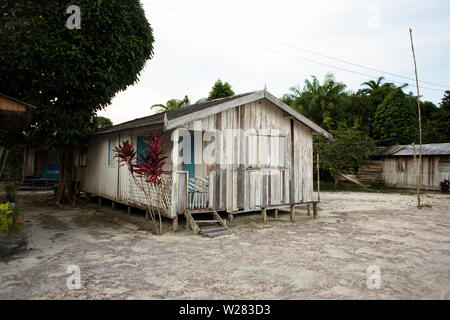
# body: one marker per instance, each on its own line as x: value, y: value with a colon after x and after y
x: 266, y: 150
x: 111, y: 146
x: 401, y: 165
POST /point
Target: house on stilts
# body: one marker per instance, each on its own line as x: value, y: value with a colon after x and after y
x: 248, y: 152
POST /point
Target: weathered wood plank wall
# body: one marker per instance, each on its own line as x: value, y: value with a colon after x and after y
x: 254, y: 167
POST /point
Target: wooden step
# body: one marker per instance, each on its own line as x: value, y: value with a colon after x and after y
x: 207, y: 221
x: 209, y: 230
x: 194, y: 224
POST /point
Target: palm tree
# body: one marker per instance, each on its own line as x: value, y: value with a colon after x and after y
x: 171, y: 104
x: 319, y: 102
x: 376, y: 84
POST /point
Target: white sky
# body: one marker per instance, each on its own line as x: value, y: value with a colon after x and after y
x: 191, y: 54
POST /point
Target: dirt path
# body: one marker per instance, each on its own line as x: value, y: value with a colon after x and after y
x: 324, y: 258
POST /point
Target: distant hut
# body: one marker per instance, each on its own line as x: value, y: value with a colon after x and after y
x: 15, y: 115
x: 398, y: 168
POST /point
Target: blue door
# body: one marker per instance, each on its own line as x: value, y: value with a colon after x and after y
x: 189, y: 167
x: 141, y: 147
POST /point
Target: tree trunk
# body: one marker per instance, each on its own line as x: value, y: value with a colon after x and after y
x: 65, y: 192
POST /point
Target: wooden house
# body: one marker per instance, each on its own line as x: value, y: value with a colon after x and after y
x: 242, y: 153
x: 399, y: 171
x: 15, y: 115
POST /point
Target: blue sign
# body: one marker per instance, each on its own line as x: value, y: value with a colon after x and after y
x: 51, y: 171
x: 444, y: 170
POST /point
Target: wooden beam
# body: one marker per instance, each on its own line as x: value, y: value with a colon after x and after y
x: 276, y: 213
x: 315, y: 213
x: 264, y: 214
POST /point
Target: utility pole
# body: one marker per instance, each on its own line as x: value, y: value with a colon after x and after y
x: 419, y: 184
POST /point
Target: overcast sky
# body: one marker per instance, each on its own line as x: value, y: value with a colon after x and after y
x: 252, y: 43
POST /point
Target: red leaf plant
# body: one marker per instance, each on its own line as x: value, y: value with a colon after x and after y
x: 149, y: 168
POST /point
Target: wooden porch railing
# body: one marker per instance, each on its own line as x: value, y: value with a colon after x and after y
x: 198, y: 194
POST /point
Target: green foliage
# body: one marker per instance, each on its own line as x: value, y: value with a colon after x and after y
x: 172, y: 104
x: 102, y: 122
x: 71, y: 74
x: 322, y: 103
x: 436, y: 129
x: 8, y: 218
x: 396, y: 121
x: 349, y: 150
x: 220, y: 90
x: 380, y: 183
x: 11, y: 192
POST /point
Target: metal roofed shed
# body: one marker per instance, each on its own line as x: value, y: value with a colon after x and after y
x: 399, y: 169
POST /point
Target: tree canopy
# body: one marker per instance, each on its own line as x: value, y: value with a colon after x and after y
x: 69, y: 74
x: 220, y: 90
x: 379, y: 113
x: 396, y: 120
x: 102, y: 122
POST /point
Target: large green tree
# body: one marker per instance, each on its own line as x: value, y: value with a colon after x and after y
x: 322, y: 102
x: 69, y: 74
x: 349, y: 149
x: 102, y: 122
x: 396, y: 119
x: 367, y: 99
x: 437, y: 128
x: 220, y: 90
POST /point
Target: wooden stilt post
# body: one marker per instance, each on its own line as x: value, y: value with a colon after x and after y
x: 187, y: 222
x: 308, y: 208
x: 113, y: 205
x: 276, y: 213
x: 230, y: 217
x: 129, y: 210
x: 175, y: 223
x: 315, y: 210
x: 146, y: 214
x: 99, y: 201
x: 264, y: 214
x: 292, y: 213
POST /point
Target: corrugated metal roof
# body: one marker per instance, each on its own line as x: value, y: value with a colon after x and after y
x: 388, y: 151
x: 407, y: 150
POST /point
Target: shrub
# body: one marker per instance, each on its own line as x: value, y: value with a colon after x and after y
x: 8, y: 218
x: 380, y: 183
x: 445, y: 185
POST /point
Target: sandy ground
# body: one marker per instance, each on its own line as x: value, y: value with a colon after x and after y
x: 309, y: 259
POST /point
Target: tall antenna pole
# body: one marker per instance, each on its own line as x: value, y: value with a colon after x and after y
x: 420, y: 121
